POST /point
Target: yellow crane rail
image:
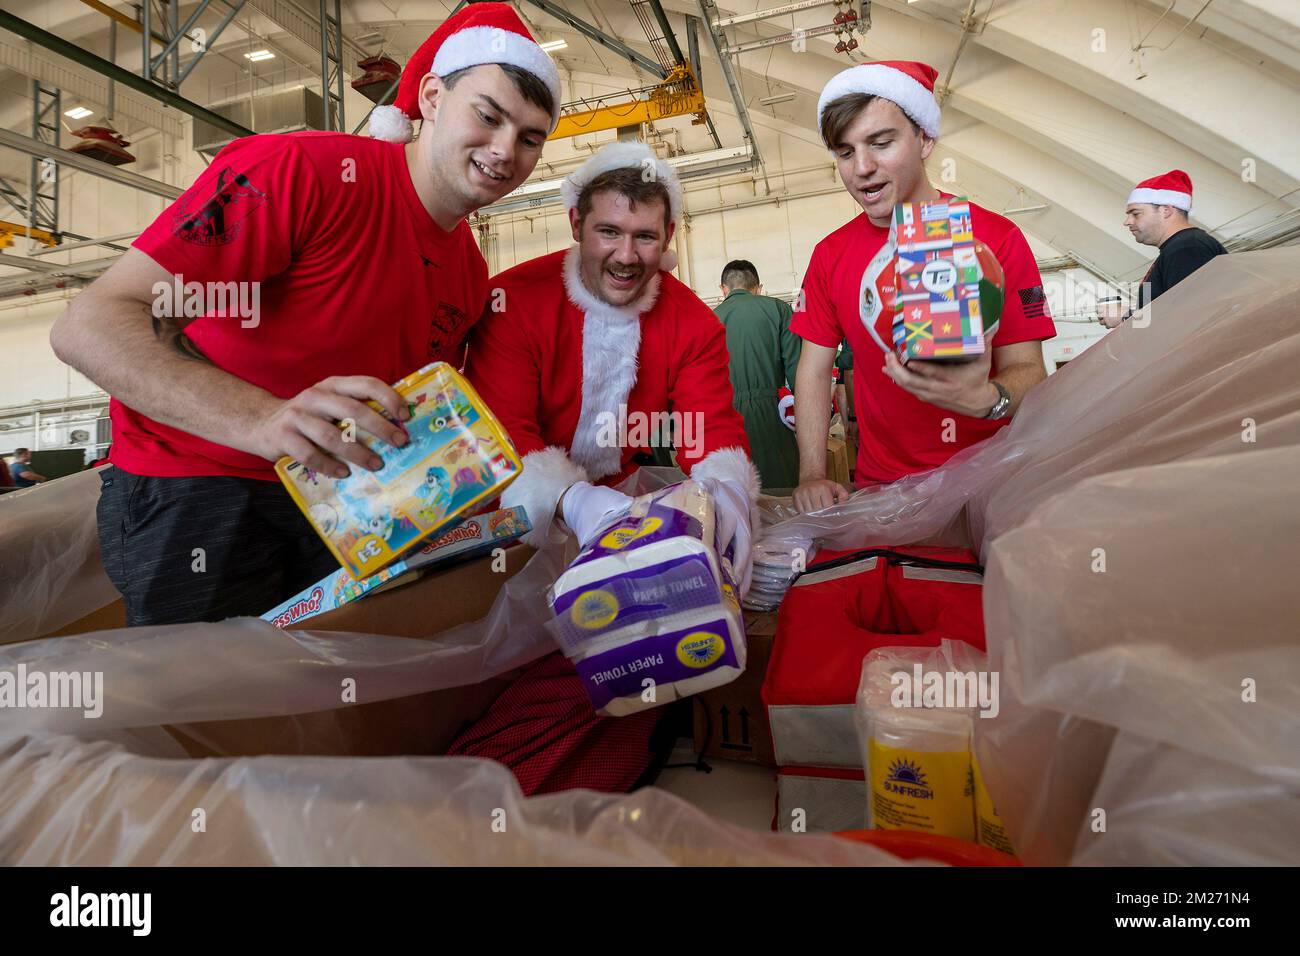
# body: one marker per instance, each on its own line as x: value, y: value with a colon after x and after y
x: 10, y: 229
x: 677, y: 95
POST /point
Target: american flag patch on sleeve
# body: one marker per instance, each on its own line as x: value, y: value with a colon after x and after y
x: 1034, y: 302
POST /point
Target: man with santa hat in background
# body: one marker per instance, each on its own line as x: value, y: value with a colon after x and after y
x: 204, y: 401
x: 587, y: 339
x: 881, y: 121
x: 1157, y: 215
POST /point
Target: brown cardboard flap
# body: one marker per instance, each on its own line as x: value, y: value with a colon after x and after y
x: 421, y: 724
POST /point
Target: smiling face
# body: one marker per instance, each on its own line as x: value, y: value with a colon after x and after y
x: 880, y: 155
x: 621, y: 245
x: 481, y: 137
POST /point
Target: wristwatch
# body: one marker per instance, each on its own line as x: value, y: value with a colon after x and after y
x: 1002, y: 407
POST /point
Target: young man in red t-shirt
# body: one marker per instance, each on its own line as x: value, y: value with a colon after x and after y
x: 297, y: 278
x: 881, y: 121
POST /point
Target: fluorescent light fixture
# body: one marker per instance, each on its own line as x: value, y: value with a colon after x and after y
x: 77, y: 112
x: 773, y: 100
x: 550, y: 46
x: 257, y: 56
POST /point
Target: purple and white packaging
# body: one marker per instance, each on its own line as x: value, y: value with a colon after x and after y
x: 647, y: 612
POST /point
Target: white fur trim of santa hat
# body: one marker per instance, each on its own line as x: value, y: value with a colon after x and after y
x: 1162, y: 197
x: 624, y: 153
x: 475, y: 46
x: 730, y: 464
x: 889, y: 82
x: 546, y: 476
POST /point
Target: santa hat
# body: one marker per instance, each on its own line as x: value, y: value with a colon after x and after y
x: 481, y: 33
x: 907, y: 84
x: 1174, y: 188
x: 785, y: 407
x: 632, y: 154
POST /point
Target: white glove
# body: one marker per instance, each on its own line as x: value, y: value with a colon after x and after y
x: 731, y: 506
x: 586, y: 508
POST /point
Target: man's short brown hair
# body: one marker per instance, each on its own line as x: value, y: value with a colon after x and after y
x: 630, y: 182
x: 841, y: 111
x: 529, y: 86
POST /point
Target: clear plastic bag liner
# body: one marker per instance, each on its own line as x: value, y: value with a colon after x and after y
x: 1173, y: 448
x: 1156, y: 604
x: 246, y: 667
x: 1243, y: 819
x: 50, y: 574
x: 70, y: 801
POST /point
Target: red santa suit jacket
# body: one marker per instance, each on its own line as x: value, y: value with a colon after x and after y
x: 556, y: 364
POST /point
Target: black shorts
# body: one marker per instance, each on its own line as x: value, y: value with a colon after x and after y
x: 204, y: 549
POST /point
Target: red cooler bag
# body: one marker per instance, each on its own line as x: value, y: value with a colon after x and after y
x: 844, y: 606
x: 820, y: 800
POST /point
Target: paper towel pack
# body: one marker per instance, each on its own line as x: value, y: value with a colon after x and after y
x: 647, y: 611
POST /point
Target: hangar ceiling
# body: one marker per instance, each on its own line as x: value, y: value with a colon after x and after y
x: 1052, y: 107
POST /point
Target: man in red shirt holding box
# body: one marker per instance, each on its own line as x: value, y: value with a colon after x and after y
x: 881, y: 121
x: 297, y: 278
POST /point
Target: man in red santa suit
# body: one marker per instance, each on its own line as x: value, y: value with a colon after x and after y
x: 585, y: 345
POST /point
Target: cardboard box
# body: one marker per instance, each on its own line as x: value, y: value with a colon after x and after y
x: 731, y: 721
x: 837, y: 460
x: 481, y: 534
x: 107, y: 618
x: 421, y: 724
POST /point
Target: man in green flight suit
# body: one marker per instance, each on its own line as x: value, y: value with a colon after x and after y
x: 764, y: 356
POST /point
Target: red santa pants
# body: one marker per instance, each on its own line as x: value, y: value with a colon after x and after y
x: 545, y: 730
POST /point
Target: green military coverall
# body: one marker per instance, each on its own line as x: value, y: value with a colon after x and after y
x: 764, y: 356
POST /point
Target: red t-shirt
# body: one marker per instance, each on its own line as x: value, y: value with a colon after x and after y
x: 899, y: 434
x: 353, y: 278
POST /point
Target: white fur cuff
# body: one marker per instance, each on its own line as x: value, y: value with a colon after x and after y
x: 546, y: 475
x: 730, y: 464
x: 1162, y: 197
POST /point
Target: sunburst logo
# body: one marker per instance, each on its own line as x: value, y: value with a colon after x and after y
x: 907, y: 772
x: 700, y: 649
x: 594, y: 609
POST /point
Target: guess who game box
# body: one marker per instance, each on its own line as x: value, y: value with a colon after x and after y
x: 937, y: 305
x: 458, y: 456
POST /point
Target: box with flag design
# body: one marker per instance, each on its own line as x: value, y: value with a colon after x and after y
x: 948, y: 284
